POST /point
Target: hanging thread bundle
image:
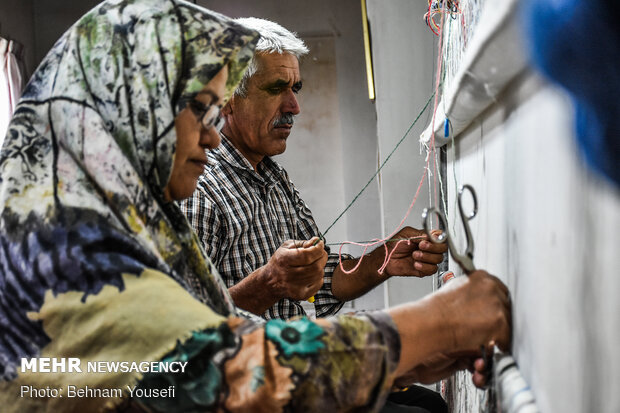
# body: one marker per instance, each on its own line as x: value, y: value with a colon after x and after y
x: 440, y: 8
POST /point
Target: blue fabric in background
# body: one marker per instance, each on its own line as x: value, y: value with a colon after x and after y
x: 576, y: 43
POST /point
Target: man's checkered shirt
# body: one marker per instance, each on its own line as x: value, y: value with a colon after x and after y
x: 242, y: 216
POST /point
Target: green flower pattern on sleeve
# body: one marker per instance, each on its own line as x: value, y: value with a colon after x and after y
x: 299, y: 337
x: 202, y: 381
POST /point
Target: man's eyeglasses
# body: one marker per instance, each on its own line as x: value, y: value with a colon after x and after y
x: 208, y: 115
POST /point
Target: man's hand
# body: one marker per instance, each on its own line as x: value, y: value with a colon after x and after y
x: 414, y: 256
x: 432, y: 370
x: 479, y: 372
x: 417, y: 257
x: 445, y: 331
x: 478, y: 309
x: 296, y: 269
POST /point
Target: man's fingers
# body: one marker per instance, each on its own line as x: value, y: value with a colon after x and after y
x: 296, y: 254
x: 312, y: 242
x: 429, y: 258
x: 308, y: 257
x: 312, y: 271
x: 304, y: 284
x: 504, y: 337
x: 479, y: 365
x: 301, y: 243
x: 314, y: 287
x: 409, y: 232
x: 429, y: 246
x: 479, y: 379
x: 425, y: 269
x: 499, y: 284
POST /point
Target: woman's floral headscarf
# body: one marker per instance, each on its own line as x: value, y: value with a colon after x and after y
x: 84, y: 164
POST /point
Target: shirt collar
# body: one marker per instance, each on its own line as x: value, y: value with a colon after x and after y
x: 226, y: 152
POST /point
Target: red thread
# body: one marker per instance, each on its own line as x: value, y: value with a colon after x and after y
x: 379, y: 241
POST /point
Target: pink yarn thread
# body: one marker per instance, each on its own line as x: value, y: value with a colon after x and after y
x: 384, y: 240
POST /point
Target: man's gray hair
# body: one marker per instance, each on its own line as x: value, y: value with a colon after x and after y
x: 273, y: 39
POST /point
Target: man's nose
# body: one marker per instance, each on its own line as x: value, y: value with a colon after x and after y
x: 290, y: 103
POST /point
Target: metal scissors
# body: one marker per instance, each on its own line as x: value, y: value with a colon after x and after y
x: 465, y: 260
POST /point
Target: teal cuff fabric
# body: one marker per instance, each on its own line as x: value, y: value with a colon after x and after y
x: 198, y: 387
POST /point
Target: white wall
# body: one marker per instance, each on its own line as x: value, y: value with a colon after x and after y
x: 314, y: 154
x: 52, y: 18
x: 403, y: 50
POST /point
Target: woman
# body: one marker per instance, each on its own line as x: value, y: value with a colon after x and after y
x: 98, y: 263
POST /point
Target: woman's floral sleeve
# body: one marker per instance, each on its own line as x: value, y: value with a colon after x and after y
x: 300, y: 365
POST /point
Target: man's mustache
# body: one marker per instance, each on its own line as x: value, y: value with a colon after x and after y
x: 286, y: 119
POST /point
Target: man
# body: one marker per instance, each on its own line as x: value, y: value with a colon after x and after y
x: 249, y: 216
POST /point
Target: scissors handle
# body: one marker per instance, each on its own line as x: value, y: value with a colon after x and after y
x: 465, y: 218
x: 465, y: 260
x: 427, y: 216
x: 472, y: 192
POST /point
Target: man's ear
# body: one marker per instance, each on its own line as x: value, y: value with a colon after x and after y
x: 227, y: 109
